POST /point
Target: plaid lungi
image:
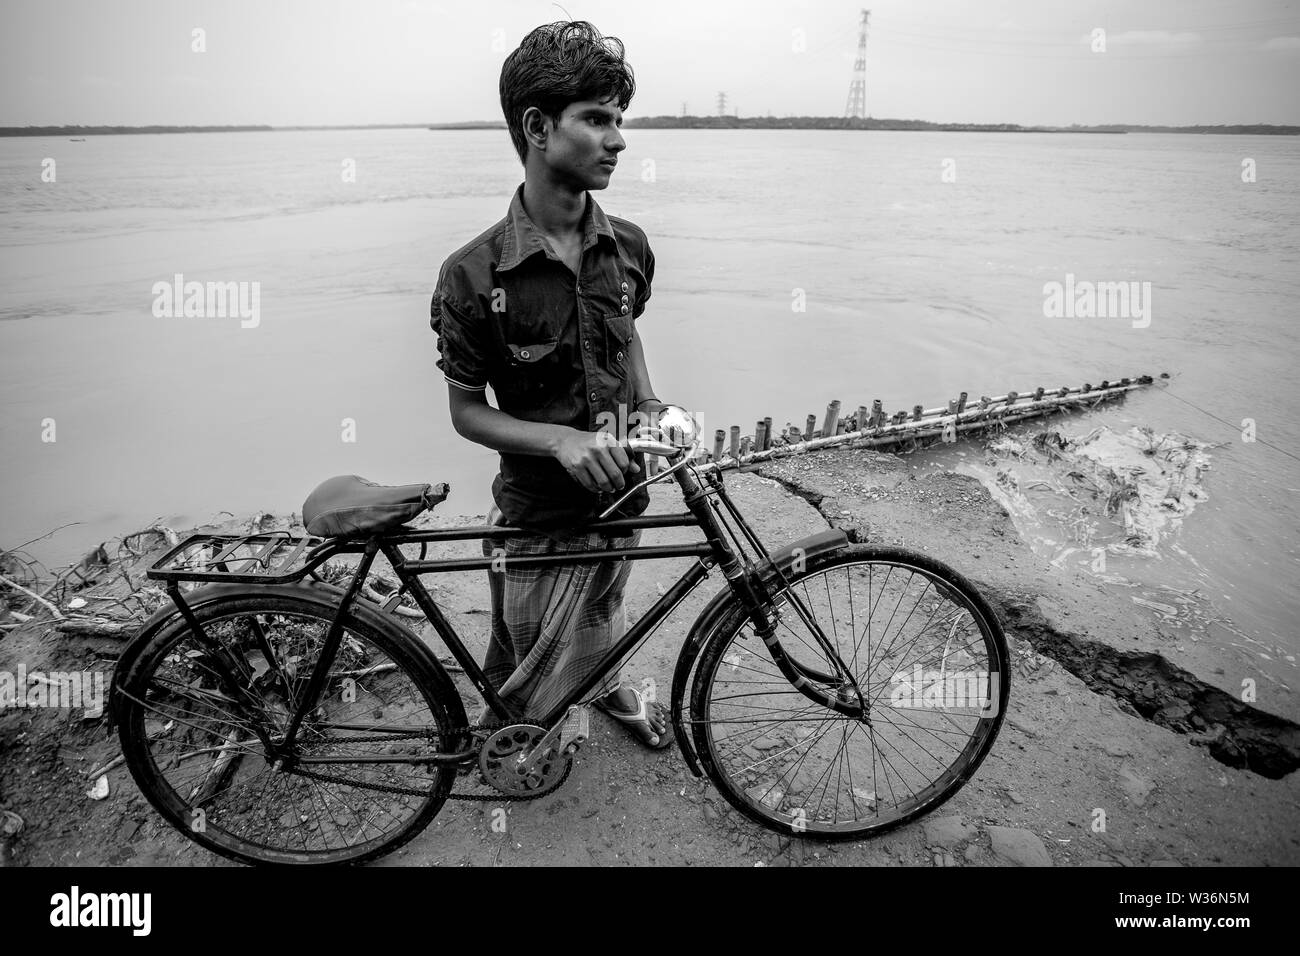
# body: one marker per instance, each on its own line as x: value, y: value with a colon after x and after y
x: 552, y: 625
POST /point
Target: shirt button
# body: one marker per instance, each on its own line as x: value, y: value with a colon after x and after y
x: 523, y: 353
x: 624, y: 286
x: 586, y: 343
x: 625, y: 298
x: 593, y: 396
x: 623, y: 308
x: 619, y: 356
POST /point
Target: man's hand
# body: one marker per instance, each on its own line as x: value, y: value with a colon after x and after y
x: 595, y: 460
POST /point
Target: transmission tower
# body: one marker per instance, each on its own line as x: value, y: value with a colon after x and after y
x: 722, y: 104
x: 856, y: 108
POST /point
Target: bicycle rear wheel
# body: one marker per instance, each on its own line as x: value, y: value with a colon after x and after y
x: 197, y: 744
x: 930, y: 659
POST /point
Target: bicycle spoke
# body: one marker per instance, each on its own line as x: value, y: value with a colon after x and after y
x: 211, y: 755
x: 797, y: 762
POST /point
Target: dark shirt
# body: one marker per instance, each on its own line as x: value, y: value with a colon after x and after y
x: 553, y: 346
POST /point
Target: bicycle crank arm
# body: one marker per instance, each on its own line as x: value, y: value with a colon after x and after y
x: 568, y: 732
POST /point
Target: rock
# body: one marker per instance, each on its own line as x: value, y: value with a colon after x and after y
x: 1174, y: 713
x: 1135, y: 786
x: 1115, y: 746
x: 1015, y: 797
x: 973, y: 853
x: 947, y: 831
x: 1020, y: 847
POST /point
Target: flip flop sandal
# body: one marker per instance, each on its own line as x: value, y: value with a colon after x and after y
x: 641, y: 716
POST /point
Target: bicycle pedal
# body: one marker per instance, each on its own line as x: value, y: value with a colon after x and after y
x: 576, y: 729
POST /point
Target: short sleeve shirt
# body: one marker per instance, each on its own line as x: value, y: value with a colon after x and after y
x: 553, y: 346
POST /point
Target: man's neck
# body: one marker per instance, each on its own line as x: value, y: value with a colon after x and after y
x: 556, y: 211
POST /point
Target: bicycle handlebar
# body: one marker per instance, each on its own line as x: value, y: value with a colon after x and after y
x: 652, y: 447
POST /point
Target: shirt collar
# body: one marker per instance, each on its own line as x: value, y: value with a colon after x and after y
x: 523, y: 238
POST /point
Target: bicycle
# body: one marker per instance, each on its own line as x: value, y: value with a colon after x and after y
x: 273, y: 717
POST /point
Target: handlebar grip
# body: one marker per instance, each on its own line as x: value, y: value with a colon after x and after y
x: 652, y: 447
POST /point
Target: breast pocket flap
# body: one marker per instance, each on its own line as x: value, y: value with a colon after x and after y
x: 531, y: 353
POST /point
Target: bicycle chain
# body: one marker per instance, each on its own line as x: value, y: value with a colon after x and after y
x: 496, y: 796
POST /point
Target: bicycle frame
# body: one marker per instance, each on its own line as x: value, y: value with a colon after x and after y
x: 741, y: 573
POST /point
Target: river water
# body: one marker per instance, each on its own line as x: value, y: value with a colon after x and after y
x: 919, y: 259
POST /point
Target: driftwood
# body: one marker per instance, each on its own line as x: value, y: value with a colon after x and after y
x: 98, y: 627
x: 115, y: 762
x: 33, y: 595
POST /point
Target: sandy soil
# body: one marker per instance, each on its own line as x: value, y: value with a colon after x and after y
x: 1105, y: 716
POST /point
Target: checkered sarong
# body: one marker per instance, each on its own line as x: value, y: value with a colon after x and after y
x: 552, y: 625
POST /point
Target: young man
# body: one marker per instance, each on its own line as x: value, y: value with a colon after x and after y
x: 542, y: 307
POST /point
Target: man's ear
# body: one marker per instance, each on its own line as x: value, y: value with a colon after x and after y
x: 536, y: 127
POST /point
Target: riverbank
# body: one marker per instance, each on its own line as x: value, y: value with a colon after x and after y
x: 1117, y: 749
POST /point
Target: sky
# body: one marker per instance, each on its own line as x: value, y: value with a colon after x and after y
x: 337, y: 62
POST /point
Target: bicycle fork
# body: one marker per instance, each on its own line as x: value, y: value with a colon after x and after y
x: 754, y: 595
x: 848, y: 700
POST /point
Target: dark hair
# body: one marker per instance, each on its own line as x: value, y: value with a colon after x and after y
x: 558, y: 64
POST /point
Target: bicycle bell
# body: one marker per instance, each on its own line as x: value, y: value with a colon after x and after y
x: 678, y: 426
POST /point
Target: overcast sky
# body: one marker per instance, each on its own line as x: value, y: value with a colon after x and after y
x: 307, y: 62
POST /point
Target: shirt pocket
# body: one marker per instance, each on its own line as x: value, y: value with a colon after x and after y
x: 531, y: 371
x: 618, y: 342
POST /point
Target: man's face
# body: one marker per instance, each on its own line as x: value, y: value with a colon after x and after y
x: 581, y: 150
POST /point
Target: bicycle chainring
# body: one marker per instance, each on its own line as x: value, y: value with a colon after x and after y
x: 502, y: 758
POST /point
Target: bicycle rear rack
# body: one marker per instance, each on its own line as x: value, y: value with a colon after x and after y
x: 273, y: 557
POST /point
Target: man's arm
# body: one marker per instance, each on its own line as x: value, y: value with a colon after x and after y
x: 641, y: 387
x: 594, y: 459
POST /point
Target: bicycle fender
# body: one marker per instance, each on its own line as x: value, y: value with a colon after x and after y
x: 326, y: 595
x: 790, y: 559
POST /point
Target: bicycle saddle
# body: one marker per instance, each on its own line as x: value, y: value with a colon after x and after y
x: 349, y: 504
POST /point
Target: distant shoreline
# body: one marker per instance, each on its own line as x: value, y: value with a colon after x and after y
x: 691, y: 122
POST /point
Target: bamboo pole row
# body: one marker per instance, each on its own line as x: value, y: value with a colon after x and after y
x: 875, y: 428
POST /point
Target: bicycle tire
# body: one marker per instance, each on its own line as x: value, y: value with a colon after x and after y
x: 403, y: 660
x: 775, y: 808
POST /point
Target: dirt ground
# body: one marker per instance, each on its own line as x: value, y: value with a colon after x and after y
x: 1118, y: 748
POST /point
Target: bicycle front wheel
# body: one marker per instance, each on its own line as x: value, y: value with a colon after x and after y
x: 200, y: 745
x: 930, y: 659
